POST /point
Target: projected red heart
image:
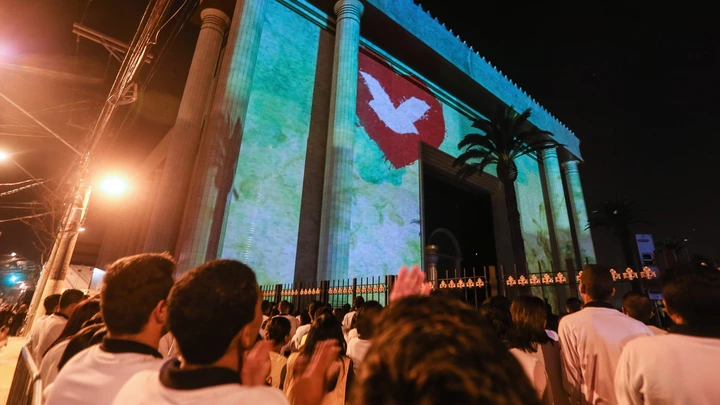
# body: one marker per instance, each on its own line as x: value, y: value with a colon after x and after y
x: 396, y: 112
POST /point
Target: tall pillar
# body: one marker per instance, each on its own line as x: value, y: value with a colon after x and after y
x: 220, y: 143
x: 562, y: 230
x: 185, y: 135
x: 579, y: 212
x: 333, y: 257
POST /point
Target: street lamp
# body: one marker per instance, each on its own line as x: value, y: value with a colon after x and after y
x: 4, y: 155
x: 114, y: 185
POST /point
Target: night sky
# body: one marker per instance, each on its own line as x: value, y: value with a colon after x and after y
x: 636, y: 82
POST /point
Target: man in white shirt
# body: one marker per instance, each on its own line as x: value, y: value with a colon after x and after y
x: 51, y: 327
x: 285, y: 307
x: 51, y: 304
x: 639, y: 307
x: 305, y: 329
x: 681, y: 367
x: 592, y: 340
x: 133, y: 302
x: 367, y: 318
x: 214, y: 312
x: 348, y: 319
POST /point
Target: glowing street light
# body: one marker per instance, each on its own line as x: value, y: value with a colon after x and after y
x: 114, y: 185
x: 13, y: 278
x: 13, y: 254
x: 4, y: 155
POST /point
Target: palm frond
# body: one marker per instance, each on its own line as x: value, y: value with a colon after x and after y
x: 477, y: 140
x: 475, y: 154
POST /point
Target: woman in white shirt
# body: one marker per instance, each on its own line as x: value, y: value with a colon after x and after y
x: 358, y: 346
x: 278, y: 331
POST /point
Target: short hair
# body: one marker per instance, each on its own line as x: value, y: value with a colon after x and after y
x: 438, y: 350
x: 496, y: 311
x: 573, y: 304
x: 358, y: 302
x: 529, y: 317
x: 70, y: 297
x: 285, y: 306
x: 84, y: 312
x: 132, y: 288
x: 366, y: 319
x: 637, y: 306
x: 51, y: 302
x: 325, y: 327
x: 265, y: 307
x: 209, y: 306
x: 598, y: 282
x: 278, y: 329
x: 692, y: 291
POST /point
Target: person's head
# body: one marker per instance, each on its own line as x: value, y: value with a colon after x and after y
x: 437, y: 350
x: 133, y: 299
x: 346, y: 308
x: 51, y: 304
x: 691, y: 293
x: 529, y: 316
x: 358, y: 302
x: 596, y: 283
x: 367, y: 318
x: 339, y: 314
x: 22, y: 309
x: 637, y: 306
x: 265, y: 307
x: 496, y: 310
x: 572, y: 305
x: 70, y: 299
x: 322, y: 310
x: 312, y: 307
x: 285, y: 307
x: 83, y: 312
x: 214, y: 312
x: 278, y: 331
x: 324, y: 327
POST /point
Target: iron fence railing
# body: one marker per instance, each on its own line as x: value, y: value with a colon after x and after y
x: 26, y: 388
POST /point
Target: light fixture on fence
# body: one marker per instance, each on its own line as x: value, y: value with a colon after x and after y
x: 560, y: 278
x: 443, y: 284
x: 630, y: 274
x: 547, y: 278
x: 480, y: 283
x: 460, y: 284
x: 470, y: 283
x: 615, y: 275
x: 510, y: 281
x: 451, y: 284
x: 647, y: 273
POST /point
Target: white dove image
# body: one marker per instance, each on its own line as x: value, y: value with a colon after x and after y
x: 401, y: 119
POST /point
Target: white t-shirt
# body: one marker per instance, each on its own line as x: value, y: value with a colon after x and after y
x: 34, y: 336
x: 215, y: 385
x: 535, y: 371
x: 669, y: 369
x: 49, y: 365
x: 299, y: 333
x: 591, y: 341
x: 95, y: 375
x: 347, y: 321
x: 50, y: 330
x: 357, y: 349
x: 657, y: 331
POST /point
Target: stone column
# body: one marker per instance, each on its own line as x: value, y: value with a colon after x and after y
x: 185, y: 135
x: 333, y: 257
x: 579, y: 212
x: 558, y: 207
x: 220, y: 144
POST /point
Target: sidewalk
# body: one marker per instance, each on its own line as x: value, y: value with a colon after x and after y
x: 8, y: 359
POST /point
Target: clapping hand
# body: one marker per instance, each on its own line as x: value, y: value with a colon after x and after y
x: 410, y: 282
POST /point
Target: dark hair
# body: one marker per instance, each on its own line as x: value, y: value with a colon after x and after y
x: 69, y: 297
x: 529, y: 316
x: 50, y: 302
x: 265, y: 307
x: 278, y: 329
x: 133, y: 287
x: 358, y: 302
x: 321, y: 311
x: 346, y: 308
x: 438, y: 350
x: 312, y: 307
x: 573, y: 304
x: 324, y: 327
x: 285, y: 307
x: 339, y: 314
x: 209, y: 306
x: 84, y: 312
x: 637, y: 306
x: 692, y: 291
x: 496, y: 310
x: 366, y: 319
x: 86, y: 337
x: 598, y: 282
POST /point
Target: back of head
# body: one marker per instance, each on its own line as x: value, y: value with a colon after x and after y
x: 496, y: 310
x: 209, y: 306
x: 266, y: 305
x: 312, y: 307
x: 367, y: 318
x: 573, y: 304
x: 84, y: 312
x: 437, y: 350
x: 85, y: 338
x: 51, y: 303
x: 637, y: 306
x: 692, y: 292
x: 529, y: 318
x: 322, y: 310
x: 278, y: 329
x: 133, y: 287
x: 324, y: 327
x: 285, y: 307
x: 358, y: 302
x: 597, y: 282
x: 70, y: 297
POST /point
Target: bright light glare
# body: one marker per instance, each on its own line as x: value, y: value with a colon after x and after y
x: 114, y: 185
x: 13, y: 278
x: 81, y: 229
x: 13, y: 254
x: 4, y: 155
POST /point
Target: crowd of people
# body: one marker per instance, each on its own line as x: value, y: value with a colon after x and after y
x: 208, y: 337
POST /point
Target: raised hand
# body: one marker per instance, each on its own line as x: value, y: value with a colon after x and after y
x: 310, y: 374
x: 410, y: 282
x: 256, y: 364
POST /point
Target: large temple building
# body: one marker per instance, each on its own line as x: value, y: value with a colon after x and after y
x: 315, y: 141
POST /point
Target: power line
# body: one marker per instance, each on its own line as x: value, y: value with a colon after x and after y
x: 25, y: 217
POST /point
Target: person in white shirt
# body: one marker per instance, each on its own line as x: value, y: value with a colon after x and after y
x: 55, y: 323
x: 305, y: 329
x: 278, y: 332
x: 638, y: 306
x: 133, y: 301
x: 51, y: 304
x: 214, y: 313
x: 592, y: 339
x: 680, y: 367
x: 285, y: 307
x: 367, y: 317
x: 347, y: 322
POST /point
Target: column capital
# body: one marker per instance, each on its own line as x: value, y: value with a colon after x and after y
x: 570, y: 165
x: 548, y: 153
x: 349, y: 9
x: 216, y: 17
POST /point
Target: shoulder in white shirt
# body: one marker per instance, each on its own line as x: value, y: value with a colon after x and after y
x: 95, y: 375
x: 591, y: 341
x: 49, y: 365
x: 357, y: 349
x: 347, y: 321
x: 657, y: 331
x: 50, y: 330
x: 669, y: 369
x: 299, y: 333
x: 535, y: 371
x: 212, y: 385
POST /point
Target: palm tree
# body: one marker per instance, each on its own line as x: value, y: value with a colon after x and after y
x: 507, y: 136
x: 619, y: 216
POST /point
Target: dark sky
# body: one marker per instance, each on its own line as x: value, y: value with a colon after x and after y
x: 636, y: 81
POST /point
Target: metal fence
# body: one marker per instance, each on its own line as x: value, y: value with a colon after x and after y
x: 26, y: 388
